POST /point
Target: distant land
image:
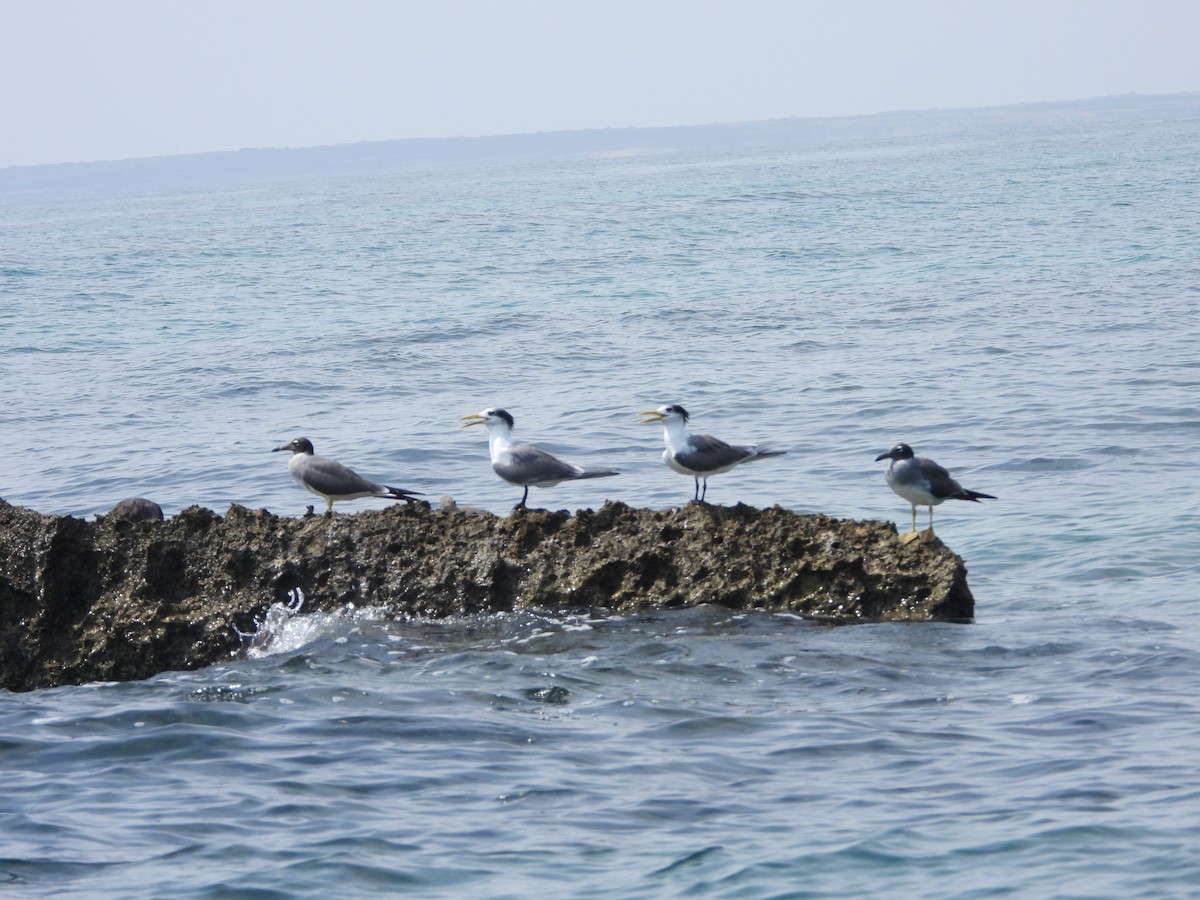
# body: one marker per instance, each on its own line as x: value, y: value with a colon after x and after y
x: 245, y: 168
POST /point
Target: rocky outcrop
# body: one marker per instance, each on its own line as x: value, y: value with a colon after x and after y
x: 117, y: 600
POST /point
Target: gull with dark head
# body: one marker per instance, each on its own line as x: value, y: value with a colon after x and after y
x: 525, y: 464
x: 922, y: 482
x: 699, y: 455
x: 330, y: 479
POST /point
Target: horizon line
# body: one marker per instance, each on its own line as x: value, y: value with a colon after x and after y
x: 601, y: 129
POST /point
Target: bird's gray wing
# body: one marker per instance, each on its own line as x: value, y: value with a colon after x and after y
x: 526, y: 464
x: 331, y: 479
x: 705, y: 453
x: 940, y: 483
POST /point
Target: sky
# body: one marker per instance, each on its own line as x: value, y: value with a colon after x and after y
x: 85, y: 80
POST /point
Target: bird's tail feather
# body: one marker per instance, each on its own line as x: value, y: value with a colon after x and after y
x: 597, y: 473
x: 401, y: 493
x: 976, y: 496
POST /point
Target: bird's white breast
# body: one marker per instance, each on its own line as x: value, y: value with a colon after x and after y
x: 669, y: 459
x: 905, y: 479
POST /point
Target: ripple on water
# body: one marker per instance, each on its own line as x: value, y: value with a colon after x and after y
x: 165, y: 342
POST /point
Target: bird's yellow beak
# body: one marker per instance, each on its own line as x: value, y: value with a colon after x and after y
x: 472, y: 419
x: 651, y: 417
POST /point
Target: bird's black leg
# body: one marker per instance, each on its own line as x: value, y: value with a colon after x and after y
x: 696, y: 496
x: 704, y: 493
x: 524, y: 497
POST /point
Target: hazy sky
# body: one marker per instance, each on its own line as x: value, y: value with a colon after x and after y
x: 108, y: 79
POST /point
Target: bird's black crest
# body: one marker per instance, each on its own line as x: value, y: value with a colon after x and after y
x: 302, y: 445
x: 505, y: 415
x: 679, y: 409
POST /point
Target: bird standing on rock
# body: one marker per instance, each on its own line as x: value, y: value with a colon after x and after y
x: 525, y: 464
x: 922, y: 482
x: 330, y: 479
x: 699, y: 455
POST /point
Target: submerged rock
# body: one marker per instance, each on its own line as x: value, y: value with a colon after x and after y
x: 117, y: 600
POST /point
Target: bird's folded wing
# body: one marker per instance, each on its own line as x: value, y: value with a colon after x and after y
x: 705, y: 452
x: 526, y: 464
x: 331, y: 478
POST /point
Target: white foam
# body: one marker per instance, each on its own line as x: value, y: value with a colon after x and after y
x: 284, y: 630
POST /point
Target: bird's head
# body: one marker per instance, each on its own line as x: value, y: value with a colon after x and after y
x: 899, y: 451
x: 664, y: 414
x: 491, y: 417
x: 299, y: 445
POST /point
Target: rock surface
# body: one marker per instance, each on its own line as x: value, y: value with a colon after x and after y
x: 117, y: 600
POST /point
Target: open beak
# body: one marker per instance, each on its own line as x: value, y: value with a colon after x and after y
x: 651, y: 417
x: 472, y: 419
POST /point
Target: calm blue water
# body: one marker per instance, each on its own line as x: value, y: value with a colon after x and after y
x: 1023, y: 308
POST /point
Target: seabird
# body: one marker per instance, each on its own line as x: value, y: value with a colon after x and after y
x: 699, y: 455
x: 330, y: 479
x: 922, y: 482
x: 525, y: 464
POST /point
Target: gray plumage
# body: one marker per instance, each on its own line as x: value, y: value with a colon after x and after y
x: 699, y: 455
x: 705, y: 454
x: 922, y: 482
x: 331, y: 480
x: 525, y: 464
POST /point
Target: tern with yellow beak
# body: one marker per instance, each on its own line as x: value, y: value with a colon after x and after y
x: 699, y: 455
x: 525, y: 464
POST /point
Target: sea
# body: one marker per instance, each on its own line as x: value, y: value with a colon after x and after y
x: 1018, y: 303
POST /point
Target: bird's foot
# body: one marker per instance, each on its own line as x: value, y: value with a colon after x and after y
x: 910, y: 536
x: 927, y: 536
